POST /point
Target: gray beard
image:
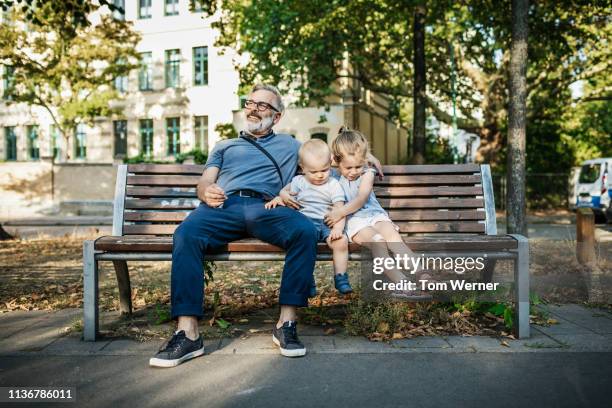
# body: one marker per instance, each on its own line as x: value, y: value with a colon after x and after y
x: 263, y: 125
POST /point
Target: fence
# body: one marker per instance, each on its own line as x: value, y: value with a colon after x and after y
x: 544, y: 190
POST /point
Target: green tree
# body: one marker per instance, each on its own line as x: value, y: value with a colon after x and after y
x: 302, y: 44
x: 66, y: 67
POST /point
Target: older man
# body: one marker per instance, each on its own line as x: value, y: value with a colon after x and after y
x: 240, y: 176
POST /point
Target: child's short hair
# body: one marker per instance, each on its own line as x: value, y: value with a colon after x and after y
x: 349, y: 142
x: 316, y: 148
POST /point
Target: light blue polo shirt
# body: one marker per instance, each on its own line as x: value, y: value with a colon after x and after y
x: 244, y: 167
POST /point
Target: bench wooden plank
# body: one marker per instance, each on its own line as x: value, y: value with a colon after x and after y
x: 161, y: 192
x: 160, y: 204
x: 163, y: 180
x: 428, y: 191
x: 399, y: 203
x: 431, y: 169
x: 442, y: 243
x: 436, y: 215
x: 437, y: 179
x: 156, y: 216
x: 166, y: 168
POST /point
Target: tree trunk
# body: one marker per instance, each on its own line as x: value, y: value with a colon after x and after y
x: 516, y: 198
x: 420, y: 99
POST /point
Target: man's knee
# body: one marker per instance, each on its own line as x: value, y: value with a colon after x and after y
x: 186, y: 235
x: 304, y: 230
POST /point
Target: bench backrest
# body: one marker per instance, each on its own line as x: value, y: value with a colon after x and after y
x: 152, y: 199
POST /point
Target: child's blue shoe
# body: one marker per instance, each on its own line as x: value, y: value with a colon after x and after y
x: 312, y: 291
x: 341, y: 282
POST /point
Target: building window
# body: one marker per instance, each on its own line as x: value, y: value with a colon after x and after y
x: 171, y: 8
x: 54, y: 132
x: 173, y: 131
x: 322, y: 136
x: 8, y: 82
x: 11, y: 143
x: 200, y: 130
x: 121, y: 82
x: 119, y: 14
x: 80, y: 142
x: 33, y: 146
x: 120, y: 136
x: 173, y: 61
x: 144, y: 9
x: 200, y: 65
x: 146, y: 137
x: 145, y: 75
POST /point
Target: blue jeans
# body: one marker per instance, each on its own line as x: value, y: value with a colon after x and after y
x: 208, y: 230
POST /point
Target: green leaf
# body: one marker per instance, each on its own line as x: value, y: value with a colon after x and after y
x: 223, y: 323
x: 508, y: 317
x: 498, y: 309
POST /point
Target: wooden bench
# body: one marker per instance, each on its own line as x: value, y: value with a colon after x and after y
x: 451, y: 207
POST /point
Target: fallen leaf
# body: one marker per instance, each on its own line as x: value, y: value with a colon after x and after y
x: 504, y: 343
x: 329, y: 331
x: 397, y: 336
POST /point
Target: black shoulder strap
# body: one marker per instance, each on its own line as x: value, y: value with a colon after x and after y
x: 264, y: 151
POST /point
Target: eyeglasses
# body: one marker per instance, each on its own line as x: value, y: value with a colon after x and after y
x: 261, y: 106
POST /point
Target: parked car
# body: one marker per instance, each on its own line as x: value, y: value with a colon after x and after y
x: 594, y: 187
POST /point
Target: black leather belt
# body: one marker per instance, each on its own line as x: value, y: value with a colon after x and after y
x: 248, y: 193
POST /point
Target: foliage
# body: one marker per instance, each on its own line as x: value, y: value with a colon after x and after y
x: 226, y: 131
x: 302, y: 46
x: 66, y: 68
x: 199, y: 157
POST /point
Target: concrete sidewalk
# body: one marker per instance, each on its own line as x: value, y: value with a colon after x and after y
x: 563, y: 365
x: 579, y: 329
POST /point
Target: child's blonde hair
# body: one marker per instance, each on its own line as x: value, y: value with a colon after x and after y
x: 349, y: 142
x: 314, y: 148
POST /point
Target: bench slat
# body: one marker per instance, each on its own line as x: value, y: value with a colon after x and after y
x: 156, y: 216
x: 432, y: 169
x: 163, y: 180
x: 439, y: 243
x: 434, y: 215
x: 161, y: 192
x: 166, y: 168
x: 405, y: 227
x: 428, y: 191
x: 169, y: 204
x: 437, y: 179
x: 397, y: 203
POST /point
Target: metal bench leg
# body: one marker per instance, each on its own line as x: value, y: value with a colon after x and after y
x: 90, y: 292
x: 521, y: 279
x: 125, y: 289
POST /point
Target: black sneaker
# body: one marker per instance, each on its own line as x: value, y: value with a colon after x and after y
x: 178, y: 349
x: 287, y: 339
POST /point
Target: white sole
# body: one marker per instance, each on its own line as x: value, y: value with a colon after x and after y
x: 159, y: 362
x: 289, y: 353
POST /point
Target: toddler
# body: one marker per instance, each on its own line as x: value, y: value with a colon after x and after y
x: 316, y: 193
x: 367, y: 223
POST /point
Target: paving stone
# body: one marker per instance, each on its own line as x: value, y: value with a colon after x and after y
x: 421, y: 342
x: 34, y: 339
x: 346, y: 344
x: 595, y: 320
x: 259, y: 344
x: 563, y: 327
x: 319, y: 344
x: 585, y: 342
x: 74, y: 345
x: 478, y: 344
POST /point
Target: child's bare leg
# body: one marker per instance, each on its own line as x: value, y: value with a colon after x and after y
x: 395, y: 243
x: 340, y: 253
x: 375, y: 242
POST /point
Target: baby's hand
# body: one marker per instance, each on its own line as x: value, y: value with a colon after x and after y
x: 333, y: 217
x: 274, y: 202
x: 289, y: 200
x: 335, y: 234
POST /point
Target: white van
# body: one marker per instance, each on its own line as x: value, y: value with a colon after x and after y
x: 594, y: 186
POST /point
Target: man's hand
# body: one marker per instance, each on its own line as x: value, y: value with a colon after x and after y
x: 374, y: 162
x: 333, y: 216
x: 214, y: 195
x: 289, y: 200
x: 336, y: 233
x: 274, y: 202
